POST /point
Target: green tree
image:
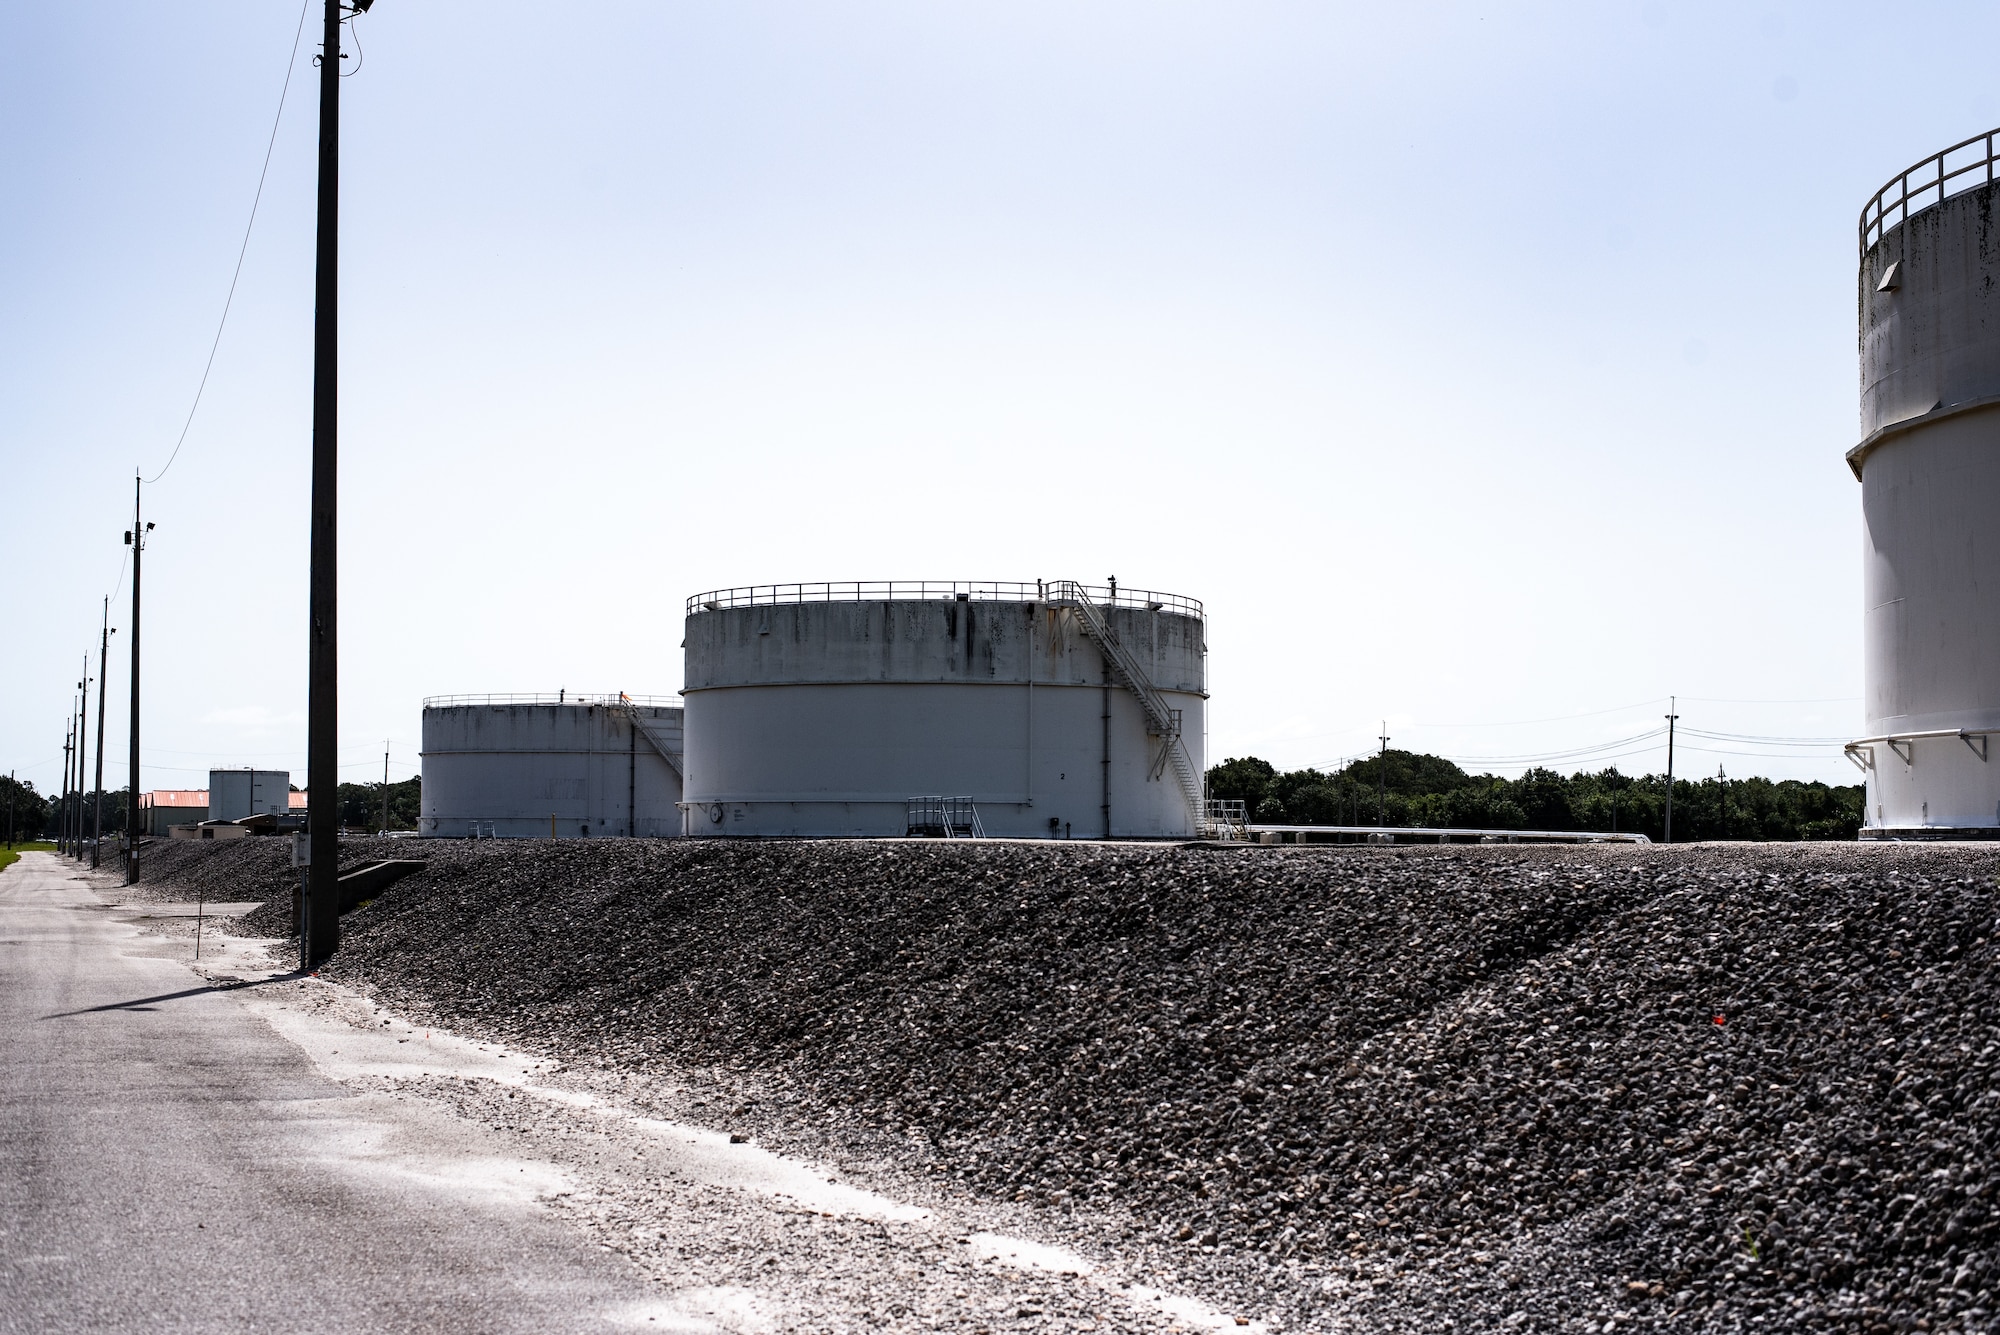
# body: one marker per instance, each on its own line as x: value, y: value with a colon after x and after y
x: 33, y: 813
x: 361, y: 805
x: 1246, y: 781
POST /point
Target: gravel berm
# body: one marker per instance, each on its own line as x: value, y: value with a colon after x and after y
x: 1720, y: 1087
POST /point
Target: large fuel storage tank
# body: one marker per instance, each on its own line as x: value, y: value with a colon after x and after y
x: 562, y: 765
x: 1929, y: 466
x: 1044, y: 710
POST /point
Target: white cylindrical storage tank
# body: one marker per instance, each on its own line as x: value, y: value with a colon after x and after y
x: 1058, y: 709
x: 1929, y: 466
x: 562, y: 765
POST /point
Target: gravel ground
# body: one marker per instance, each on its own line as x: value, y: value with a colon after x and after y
x: 1706, y: 1088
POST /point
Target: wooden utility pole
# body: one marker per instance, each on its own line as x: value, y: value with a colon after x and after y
x: 103, y: 689
x: 62, y: 803
x: 320, y: 935
x: 1668, y: 832
x: 1382, y: 779
x: 137, y: 538
x: 82, y: 749
x: 385, y: 785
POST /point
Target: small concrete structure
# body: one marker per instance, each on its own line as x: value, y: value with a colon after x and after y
x: 217, y: 830
x: 1058, y: 709
x: 1929, y: 466
x: 561, y: 766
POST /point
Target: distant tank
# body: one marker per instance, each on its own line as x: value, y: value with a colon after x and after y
x: 1041, y: 710
x: 561, y: 766
x: 1929, y: 466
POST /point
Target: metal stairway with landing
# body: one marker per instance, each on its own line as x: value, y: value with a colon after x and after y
x: 659, y: 744
x: 1162, y: 720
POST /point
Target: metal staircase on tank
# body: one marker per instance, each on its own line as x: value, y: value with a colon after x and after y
x: 1162, y: 720
x: 653, y: 739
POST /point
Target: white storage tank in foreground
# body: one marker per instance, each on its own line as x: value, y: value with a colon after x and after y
x: 1929, y: 466
x: 561, y: 765
x: 1061, y: 710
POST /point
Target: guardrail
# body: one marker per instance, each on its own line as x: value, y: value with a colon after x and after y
x: 1861, y: 751
x: 910, y: 590
x: 558, y: 698
x: 1927, y: 185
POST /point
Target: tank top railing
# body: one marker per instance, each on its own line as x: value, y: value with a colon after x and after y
x: 553, y: 698
x: 913, y: 590
x: 1927, y: 185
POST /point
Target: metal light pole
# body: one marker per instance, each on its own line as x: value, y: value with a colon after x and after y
x: 103, y: 689
x: 319, y: 936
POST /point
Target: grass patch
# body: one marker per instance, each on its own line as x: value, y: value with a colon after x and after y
x: 8, y: 859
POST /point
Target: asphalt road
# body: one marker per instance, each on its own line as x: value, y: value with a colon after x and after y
x: 169, y: 1162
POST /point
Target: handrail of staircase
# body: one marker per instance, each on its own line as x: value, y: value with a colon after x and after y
x: 1069, y: 593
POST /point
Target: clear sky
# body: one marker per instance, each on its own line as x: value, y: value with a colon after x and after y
x: 1484, y: 368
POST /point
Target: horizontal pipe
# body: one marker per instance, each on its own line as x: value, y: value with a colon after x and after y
x: 1569, y: 836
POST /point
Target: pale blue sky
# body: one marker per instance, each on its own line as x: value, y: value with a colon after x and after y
x: 1477, y: 365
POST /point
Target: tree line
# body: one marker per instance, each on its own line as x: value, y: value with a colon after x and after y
x: 1411, y: 789
x: 36, y: 816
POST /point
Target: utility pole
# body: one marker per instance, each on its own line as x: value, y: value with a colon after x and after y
x: 103, y: 689
x: 1672, y: 704
x: 137, y: 540
x: 63, y: 810
x: 385, y: 785
x: 11, y: 784
x: 1382, y: 779
x: 320, y: 935
x: 82, y: 748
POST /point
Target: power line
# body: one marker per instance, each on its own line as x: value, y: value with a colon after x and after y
x: 1816, y: 700
x: 1570, y: 754
x: 242, y: 250
x: 1766, y: 740
x: 1557, y: 718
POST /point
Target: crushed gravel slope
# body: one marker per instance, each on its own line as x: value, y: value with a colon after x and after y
x: 1719, y: 1087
